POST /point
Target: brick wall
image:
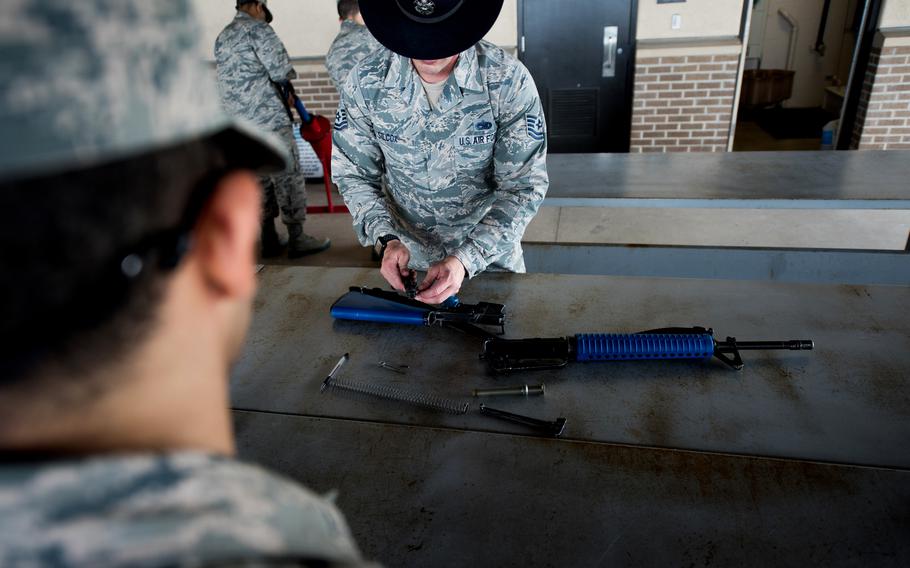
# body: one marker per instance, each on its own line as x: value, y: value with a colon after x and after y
x: 314, y: 87
x: 683, y: 103
x: 883, y: 116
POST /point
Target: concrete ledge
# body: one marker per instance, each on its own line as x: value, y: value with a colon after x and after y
x: 658, y: 47
x: 716, y: 227
x: 724, y: 263
x: 835, y: 176
x: 687, y: 41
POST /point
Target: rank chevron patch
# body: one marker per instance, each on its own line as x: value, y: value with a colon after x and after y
x: 535, y: 126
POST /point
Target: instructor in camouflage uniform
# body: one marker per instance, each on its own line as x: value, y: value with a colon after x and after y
x: 130, y: 213
x: 253, y: 67
x: 353, y: 42
x: 454, y: 125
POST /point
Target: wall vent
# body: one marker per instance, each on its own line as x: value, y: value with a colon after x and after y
x: 573, y: 112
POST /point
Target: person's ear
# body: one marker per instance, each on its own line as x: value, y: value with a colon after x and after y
x: 226, y: 234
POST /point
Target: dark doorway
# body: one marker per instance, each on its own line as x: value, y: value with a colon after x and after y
x: 580, y: 54
x: 793, y: 98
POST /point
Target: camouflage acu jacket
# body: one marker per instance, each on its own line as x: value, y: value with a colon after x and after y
x: 165, y: 510
x: 462, y: 180
x: 353, y: 43
x: 248, y: 57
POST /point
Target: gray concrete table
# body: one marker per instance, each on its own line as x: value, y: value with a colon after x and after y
x: 845, y: 180
x: 441, y: 497
x: 847, y: 402
x: 800, y: 458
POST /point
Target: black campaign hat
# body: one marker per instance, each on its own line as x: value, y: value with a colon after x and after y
x: 429, y: 29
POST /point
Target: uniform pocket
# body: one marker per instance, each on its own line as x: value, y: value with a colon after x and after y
x: 474, y: 153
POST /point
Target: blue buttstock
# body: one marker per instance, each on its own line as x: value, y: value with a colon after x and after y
x: 382, y: 316
x: 363, y: 307
x: 626, y: 346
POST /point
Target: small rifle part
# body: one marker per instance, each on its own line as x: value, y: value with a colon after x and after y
x: 410, y: 285
x: 521, y: 390
x: 386, y: 392
x: 553, y: 429
x: 505, y: 355
x: 400, y: 369
x: 376, y: 305
x: 331, y: 376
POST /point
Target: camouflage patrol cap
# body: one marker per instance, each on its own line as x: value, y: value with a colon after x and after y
x: 265, y: 6
x: 91, y: 81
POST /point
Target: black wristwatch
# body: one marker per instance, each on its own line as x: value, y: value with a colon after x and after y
x: 382, y: 242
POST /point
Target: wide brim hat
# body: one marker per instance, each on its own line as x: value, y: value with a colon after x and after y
x: 429, y: 29
x: 80, y: 91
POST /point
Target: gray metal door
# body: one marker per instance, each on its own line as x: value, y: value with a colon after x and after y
x: 580, y: 53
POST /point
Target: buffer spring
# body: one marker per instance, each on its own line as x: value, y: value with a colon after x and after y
x: 385, y: 392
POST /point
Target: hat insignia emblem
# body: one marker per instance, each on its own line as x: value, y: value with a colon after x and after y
x: 424, y: 7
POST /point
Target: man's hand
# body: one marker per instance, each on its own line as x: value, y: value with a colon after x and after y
x: 395, y: 264
x: 443, y: 280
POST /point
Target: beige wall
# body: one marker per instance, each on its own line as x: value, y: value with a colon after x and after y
x: 895, y: 14
x: 700, y: 18
x: 307, y: 27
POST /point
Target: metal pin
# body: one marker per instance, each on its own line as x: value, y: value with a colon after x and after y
x: 410, y: 285
x: 400, y: 369
x: 338, y: 365
x: 520, y: 390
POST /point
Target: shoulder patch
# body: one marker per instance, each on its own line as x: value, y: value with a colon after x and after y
x: 535, y: 126
x: 341, y: 119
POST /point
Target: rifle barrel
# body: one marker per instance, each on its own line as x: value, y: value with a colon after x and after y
x: 792, y: 345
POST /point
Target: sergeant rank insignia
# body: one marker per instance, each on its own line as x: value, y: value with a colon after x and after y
x: 535, y: 127
x: 341, y: 119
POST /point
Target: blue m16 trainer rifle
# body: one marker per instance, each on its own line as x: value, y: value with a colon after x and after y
x: 505, y: 355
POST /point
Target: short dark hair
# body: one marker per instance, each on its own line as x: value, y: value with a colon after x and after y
x: 66, y: 302
x: 348, y: 9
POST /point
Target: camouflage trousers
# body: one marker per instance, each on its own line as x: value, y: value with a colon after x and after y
x: 285, y: 191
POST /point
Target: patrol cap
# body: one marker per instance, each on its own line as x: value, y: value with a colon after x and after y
x: 268, y: 13
x: 429, y: 29
x: 94, y: 81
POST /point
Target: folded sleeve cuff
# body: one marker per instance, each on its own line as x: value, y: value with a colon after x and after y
x: 471, y: 257
x: 376, y: 228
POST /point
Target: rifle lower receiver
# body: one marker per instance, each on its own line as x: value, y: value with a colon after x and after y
x: 376, y: 305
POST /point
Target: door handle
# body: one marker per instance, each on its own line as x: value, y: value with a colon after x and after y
x: 611, y: 34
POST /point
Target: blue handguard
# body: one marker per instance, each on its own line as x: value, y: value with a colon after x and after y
x: 625, y: 346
